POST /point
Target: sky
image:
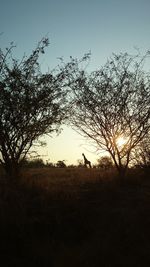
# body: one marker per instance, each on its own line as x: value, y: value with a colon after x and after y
x: 74, y: 28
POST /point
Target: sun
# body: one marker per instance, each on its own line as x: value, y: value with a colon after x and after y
x: 121, y: 141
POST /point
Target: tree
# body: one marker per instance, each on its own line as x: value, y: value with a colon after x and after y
x: 112, y: 104
x: 105, y: 163
x: 31, y: 104
x: 61, y: 164
x: 141, y: 154
x: 35, y: 163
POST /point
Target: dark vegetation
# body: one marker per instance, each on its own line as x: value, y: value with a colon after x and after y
x: 32, y: 104
x: 112, y: 102
x: 54, y: 215
x: 75, y: 217
x: 107, y: 104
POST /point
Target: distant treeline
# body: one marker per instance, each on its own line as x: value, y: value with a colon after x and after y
x: 104, y: 163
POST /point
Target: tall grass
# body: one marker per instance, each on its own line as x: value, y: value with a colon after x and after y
x: 75, y: 217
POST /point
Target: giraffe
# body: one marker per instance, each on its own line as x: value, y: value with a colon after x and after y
x: 86, y: 161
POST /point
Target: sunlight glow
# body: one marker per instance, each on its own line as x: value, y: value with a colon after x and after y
x: 121, y: 141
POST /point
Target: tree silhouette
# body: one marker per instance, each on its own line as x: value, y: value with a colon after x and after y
x: 105, y: 162
x: 141, y: 154
x: 31, y: 104
x: 61, y: 164
x: 111, y: 103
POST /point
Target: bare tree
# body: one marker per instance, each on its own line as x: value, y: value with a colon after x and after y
x: 112, y: 103
x: 31, y: 104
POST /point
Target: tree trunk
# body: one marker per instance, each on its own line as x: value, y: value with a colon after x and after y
x: 122, y: 171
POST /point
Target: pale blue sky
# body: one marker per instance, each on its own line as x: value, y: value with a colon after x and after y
x: 74, y: 28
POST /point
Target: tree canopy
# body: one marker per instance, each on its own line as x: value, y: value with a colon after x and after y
x: 111, y: 103
x: 32, y: 103
x: 109, y: 106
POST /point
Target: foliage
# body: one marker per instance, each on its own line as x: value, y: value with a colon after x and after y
x: 31, y: 104
x: 49, y: 164
x: 110, y: 103
x: 36, y: 163
x: 60, y: 164
x: 105, y: 162
x: 80, y: 163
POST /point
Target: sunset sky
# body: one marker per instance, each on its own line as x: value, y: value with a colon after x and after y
x: 74, y: 28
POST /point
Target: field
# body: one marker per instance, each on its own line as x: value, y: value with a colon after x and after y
x: 75, y: 217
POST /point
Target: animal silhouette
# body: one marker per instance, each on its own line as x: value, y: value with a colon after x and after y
x: 86, y: 161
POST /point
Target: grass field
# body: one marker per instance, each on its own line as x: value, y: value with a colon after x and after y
x: 75, y: 217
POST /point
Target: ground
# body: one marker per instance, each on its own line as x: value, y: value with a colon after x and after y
x: 75, y: 217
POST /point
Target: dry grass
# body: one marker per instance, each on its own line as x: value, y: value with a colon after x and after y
x: 65, y: 180
x: 75, y: 217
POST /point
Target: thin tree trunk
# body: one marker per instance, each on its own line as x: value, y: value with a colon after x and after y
x: 122, y: 172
